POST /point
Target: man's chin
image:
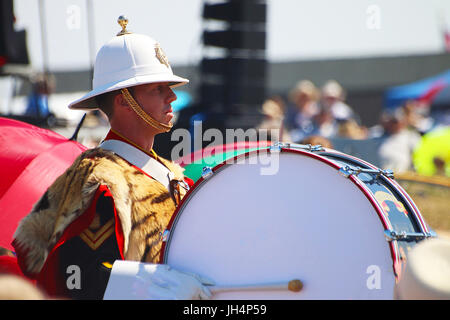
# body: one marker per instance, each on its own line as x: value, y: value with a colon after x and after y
x: 169, y: 124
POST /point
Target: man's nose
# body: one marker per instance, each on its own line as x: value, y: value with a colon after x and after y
x: 171, y: 97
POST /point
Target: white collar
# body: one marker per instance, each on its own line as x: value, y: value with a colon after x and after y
x: 140, y: 159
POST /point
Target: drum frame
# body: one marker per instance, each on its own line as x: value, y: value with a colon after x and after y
x: 391, y: 236
x: 320, y: 153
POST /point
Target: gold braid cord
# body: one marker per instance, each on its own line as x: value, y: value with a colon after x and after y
x: 142, y: 114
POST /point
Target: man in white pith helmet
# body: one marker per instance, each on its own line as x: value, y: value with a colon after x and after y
x: 115, y: 201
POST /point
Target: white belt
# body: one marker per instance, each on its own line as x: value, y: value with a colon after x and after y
x: 141, y: 160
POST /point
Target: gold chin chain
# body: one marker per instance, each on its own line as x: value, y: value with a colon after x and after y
x: 142, y: 114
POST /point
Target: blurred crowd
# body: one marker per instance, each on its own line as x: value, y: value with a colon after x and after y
x: 320, y: 115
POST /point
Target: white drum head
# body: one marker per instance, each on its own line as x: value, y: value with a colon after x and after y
x: 304, y: 222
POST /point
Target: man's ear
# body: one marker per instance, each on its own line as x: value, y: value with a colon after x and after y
x: 119, y: 100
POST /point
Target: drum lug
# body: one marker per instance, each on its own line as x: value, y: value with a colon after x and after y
x: 315, y: 148
x: 387, y: 173
x: 392, y: 235
x: 347, y: 171
x: 276, y: 147
x: 207, y: 172
x: 431, y: 234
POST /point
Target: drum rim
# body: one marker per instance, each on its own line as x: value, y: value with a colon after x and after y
x: 398, y: 262
x: 412, y: 206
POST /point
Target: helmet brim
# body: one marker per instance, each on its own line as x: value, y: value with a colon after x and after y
x: 88, y: 101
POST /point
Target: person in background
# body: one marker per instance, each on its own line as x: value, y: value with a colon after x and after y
x: 425, y: 275
x: 333, y: 99
x: 324, y: 124
x: 398, y: 142
x: 417, y: 117
x: 42, y: 87
x: 350, y: 129
x: 302, y: 109
x: 13, y: 287
x: 273, y: 110
x: 13, y: 284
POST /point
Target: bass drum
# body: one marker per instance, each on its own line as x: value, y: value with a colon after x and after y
x: 289, y: 212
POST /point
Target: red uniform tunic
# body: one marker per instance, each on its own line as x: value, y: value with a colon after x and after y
x: 78, y: 266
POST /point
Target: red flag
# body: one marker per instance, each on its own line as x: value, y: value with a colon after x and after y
x: 31, y: 158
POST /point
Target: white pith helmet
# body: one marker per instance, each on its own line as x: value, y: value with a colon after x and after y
x: 127, y: 60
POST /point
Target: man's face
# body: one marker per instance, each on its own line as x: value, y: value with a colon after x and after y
x: 155, y: 100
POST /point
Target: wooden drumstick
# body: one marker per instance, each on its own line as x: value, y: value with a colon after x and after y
x: 294, y: 285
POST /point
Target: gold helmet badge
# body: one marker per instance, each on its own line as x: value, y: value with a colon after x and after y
x: 123, y: 21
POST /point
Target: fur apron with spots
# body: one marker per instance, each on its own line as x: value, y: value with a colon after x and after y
x: 144, y: 207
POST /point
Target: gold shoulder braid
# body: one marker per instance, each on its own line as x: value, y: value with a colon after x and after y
x: 141, y: 113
